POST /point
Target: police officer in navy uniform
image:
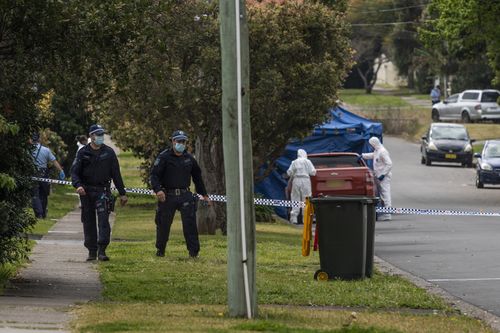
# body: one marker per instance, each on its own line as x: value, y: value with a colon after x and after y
x: 94, y: 167
x: 170, y: 178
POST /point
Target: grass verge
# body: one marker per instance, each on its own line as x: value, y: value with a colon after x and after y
x: 62, y: 200
x: 144, y: 293
x: 360, y: 98
x: 140, y: 317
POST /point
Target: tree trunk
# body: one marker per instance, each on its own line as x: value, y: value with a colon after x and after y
x: 374, y: 76
x: 411, y: 78
x: 364, y: 77
x: 209, y: 155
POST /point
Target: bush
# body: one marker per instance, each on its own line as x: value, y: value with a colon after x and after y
x: 15, y: 219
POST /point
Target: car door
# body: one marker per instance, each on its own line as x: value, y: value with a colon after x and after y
x: 453, y: 111
x: 449, y: 107
x: 467, y: 102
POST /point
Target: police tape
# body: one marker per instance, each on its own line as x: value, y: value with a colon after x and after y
x: 300, y: 204
x: 213, y: 197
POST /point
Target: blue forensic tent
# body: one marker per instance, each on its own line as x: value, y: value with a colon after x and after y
x: 344, y: 132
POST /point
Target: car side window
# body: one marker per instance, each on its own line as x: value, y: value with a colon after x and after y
x: 470, y: 96
x: 452, y: 98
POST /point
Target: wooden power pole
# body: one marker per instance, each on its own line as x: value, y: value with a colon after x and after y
x: 242, y: 296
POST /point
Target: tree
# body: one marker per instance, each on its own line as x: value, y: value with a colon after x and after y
x: 467, y: 27
x: 35, y: 58
x: 404, y: 44
x: 299, y: 56
x: 23, y: 45
x: 369, y: 32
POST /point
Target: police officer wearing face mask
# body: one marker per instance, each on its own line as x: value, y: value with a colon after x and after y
x: 94, y: 167
x: 170, y: 178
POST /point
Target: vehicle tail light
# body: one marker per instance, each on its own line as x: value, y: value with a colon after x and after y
x: 370, y: 185
x: 477, y: 107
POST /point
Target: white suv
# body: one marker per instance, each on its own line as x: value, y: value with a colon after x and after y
x: 470, y: 105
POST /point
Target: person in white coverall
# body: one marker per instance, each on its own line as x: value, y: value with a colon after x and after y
x: 300, y: 171
x: 382, y: 166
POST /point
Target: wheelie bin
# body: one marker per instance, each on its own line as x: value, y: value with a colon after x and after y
x: 346, y: 228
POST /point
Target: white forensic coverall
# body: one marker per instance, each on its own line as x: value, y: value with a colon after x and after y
x: 300, y: 170
x: 382, y: 166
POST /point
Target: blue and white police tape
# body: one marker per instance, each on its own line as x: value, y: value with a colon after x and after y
x: 441, y: 212
x: 300, y: 204
x: 213, y: 197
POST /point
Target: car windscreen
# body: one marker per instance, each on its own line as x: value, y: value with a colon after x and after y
x: 492, y: 150
x: 340, y: 161
x: 489, y: 97
x: 449, y: 133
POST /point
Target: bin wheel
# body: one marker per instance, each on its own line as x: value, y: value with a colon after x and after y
x: 321, y: 275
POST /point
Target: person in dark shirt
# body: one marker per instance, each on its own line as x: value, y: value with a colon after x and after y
x: 94, y: 167
x: 170, y: 178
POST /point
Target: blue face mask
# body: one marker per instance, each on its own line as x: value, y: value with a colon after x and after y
x: 179, y: 147
x: 99, y: 140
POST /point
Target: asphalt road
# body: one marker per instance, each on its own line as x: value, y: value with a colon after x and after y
x: 459, y: 254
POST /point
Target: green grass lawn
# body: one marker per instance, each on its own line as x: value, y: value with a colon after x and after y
x: 358, y: 97
x: 145, y: 293
x: 62, y: 200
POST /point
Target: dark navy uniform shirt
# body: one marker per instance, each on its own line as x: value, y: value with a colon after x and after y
x: 174, y: 172
x: 96, y: 167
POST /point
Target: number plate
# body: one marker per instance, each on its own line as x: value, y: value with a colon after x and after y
x: 450, y: 156
x: 335, y: 183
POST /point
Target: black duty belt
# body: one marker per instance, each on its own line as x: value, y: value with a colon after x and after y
x: 176, y: 191
x: 90, y: 188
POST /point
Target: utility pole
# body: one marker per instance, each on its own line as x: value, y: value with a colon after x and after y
x: 242, y: 295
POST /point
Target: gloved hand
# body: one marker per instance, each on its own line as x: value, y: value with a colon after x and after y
x: 62, y: 175
x: 381, y: 178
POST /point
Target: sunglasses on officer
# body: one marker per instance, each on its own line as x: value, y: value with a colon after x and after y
x: 180, y: 141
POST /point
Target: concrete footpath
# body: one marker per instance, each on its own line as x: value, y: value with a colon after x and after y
x: 40, y: 298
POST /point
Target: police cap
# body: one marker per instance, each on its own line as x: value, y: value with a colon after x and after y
x: 96, y: 129
x: 179, y: 135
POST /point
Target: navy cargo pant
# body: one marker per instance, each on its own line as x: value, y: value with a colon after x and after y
x: 39, y: 195
x: 97, y: 235
x: 186, y: 204
x: 39, y: 199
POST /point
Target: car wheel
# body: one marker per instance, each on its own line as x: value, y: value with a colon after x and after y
x: 422, y: 160
x: 435, y: 116
x: 478, y: 183
x: 465, y: 117
x: 428, y: 161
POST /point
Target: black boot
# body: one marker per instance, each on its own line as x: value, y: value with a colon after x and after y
x: 102, y: 254
x: 160, y: 253
x: 92, y: 255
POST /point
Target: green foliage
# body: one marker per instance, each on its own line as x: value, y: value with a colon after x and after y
x: 368, y: 37
x: 299, y: 57
x: 472, y: 74
x: 15, y: 185
x: 465, y: 29
x: 27, y: 43
x: 403, y: 43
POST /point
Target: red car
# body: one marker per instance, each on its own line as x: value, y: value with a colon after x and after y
x: 341, y: 174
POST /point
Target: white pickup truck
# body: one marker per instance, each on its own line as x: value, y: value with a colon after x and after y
x: 468, y: 106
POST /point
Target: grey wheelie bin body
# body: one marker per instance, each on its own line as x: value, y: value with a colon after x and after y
x: 345, y: 236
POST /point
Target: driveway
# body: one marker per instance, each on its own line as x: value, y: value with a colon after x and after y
x: 460, y: 254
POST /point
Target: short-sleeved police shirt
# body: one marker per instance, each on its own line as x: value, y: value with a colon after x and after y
x: 42, y: 156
